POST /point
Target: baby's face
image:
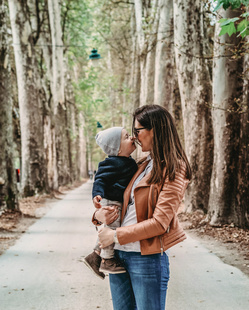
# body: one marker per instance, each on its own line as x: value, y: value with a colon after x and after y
x: 127, y: 144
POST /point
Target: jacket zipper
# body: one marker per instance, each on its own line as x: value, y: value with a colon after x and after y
x: 153, y: 206
x: 160, y: 237
x: 161, y: 243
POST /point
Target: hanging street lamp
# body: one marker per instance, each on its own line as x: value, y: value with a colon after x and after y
x: 99, y: 125
x: 94, y: 57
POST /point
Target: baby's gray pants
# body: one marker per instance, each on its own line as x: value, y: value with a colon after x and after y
x: 108, y: 252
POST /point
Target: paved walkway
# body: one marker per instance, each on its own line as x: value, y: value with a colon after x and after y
x: 43, y: 270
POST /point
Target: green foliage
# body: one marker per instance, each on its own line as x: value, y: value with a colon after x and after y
x: 227, y: 26
x: 234, y: 25
x: 103, y: 25
x: 234, y: 4
x: 231, y: 26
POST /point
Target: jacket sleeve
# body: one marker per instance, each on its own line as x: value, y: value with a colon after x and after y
x: 166, y: 208
x: 98, y: 185
x: 107, y: 173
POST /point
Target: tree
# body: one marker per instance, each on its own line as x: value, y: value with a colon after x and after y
x: 242, y: 196
x: 8, y: 180
x: 33, y: 175
x: 229, y: 184
x: 147, y: 16
x: 195, y: 91
x: 165, y: 74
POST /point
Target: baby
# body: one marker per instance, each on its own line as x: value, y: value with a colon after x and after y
x: 111, y: 180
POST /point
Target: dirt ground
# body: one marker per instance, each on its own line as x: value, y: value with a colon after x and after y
x: 229, y: 243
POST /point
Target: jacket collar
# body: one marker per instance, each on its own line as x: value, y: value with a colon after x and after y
x: 142, y: 183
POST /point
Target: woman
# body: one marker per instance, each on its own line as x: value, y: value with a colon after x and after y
x: 149, y: 215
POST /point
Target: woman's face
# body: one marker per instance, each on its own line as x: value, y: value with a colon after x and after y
x: 144, y: 136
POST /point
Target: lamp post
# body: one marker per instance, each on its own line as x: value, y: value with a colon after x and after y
x: 94, y: 57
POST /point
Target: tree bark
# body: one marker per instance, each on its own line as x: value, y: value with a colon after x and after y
x: 242, y: 197
x: 83, y: 149
x: 147, y: 15
x: 227, y: 86
x: 49, y: 126
x: 57, y: 55
x: 8, y: 179
x: 195, y: 90
x: 165, y: 73
x: 33, y: 176
x: 135, y: 80
x: 60, y: 117
x: 73, y: 129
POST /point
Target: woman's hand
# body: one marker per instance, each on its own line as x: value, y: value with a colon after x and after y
x: 107, y: 214
x: 96, y: 201
x: 106, y: 236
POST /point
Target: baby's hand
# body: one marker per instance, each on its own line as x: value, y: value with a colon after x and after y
x: 96, y: 201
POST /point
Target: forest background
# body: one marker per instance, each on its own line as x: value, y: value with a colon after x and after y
x: 190, y: 57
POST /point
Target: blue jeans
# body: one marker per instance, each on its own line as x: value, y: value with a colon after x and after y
x: 144, y: 285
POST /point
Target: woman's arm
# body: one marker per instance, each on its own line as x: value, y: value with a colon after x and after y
x: 166, y: 208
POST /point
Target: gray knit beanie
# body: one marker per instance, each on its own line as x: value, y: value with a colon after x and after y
x: 109, y: 140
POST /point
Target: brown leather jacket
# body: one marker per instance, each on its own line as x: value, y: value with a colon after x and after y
x: 156, y: 206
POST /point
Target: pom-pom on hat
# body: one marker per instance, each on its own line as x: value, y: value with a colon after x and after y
x: 109, y: 140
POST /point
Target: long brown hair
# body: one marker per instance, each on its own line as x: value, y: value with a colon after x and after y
x: 167, y: 151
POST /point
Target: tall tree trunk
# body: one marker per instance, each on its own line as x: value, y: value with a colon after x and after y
x: 227, y: 86
x: 49, y: 127
x: 59, y: 121
x: 83, y: 149
x: 195, y: 90
x: 147, y: 16
x: 135, y: 80
x: 73, y: 130
x: 57, y: 47
x: 8, y: 188
x: 165, y: 73
x: 33, y: 172
x: 242, y: 197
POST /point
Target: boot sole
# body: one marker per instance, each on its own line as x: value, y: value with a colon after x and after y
x: 112, y: 272
x: 90, y: 267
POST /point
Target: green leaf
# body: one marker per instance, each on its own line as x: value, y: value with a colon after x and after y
x: 230, y: 3
x: 245, y: 33
x: 245, y: 14
x: 229, y: 29
x: 242, y: 25
x: 228, y: 21
x: 235, y: 4
x: 222, y: 20
x: 219, y: 5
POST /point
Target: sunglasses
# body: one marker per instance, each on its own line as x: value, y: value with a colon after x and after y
x: 137, y: 130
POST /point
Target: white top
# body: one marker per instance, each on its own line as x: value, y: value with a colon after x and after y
x: 130, y: 217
